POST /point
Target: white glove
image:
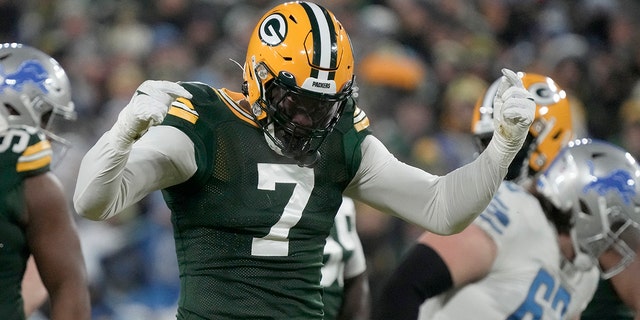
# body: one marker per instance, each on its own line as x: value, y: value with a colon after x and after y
x: 513, y: 113
x: 148, y: 107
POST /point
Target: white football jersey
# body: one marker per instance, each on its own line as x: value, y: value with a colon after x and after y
x: 529, y: 278
x: 345, y: 257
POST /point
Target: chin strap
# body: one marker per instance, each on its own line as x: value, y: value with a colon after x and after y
x: 269, y: 135
x: 308, y: 160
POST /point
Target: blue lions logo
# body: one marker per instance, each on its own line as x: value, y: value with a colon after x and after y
x: 30, y: 71
x: 619, y: 181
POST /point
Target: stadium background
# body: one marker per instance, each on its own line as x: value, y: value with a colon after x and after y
x: 420, y: 66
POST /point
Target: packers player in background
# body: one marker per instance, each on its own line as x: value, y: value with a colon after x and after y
x: 344, y: 278
x: 254, y: 178
x: 35, y: 219
x: 531, y: 253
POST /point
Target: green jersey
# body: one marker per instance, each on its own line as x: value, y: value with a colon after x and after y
x: 250, y: 225
x: 24, y: 152
x: 606, y: 305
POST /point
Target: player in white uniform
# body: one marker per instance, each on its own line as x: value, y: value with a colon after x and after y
x: 510, y: 263
x: 344, y: 278
x: 529, y: 277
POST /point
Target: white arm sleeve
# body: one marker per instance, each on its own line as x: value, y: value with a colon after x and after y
x: 110, y: 181
x: 440, y: 204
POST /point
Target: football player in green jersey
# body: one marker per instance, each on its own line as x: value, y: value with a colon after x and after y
x: 344, y: 278
x: 254, y: 179
x: 35, y: 219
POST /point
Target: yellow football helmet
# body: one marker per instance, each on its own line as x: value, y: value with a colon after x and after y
x: 298, y: 75
x: 550, y: 131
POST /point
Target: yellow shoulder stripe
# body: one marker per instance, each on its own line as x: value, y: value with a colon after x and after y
x: 183, y: 108
x: 360, y: 120
x: 35, y: 157
x: 242, y: 114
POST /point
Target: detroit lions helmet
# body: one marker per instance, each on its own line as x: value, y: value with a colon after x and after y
x: 598, y: 185
x: 298, y: 76
x: 34, y: 89
x: 4, y: 124
x: 551, y: 129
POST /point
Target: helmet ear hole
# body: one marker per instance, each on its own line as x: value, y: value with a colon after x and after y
x: 584, y: 208
x: 11, y: 110
x: 245, y: 88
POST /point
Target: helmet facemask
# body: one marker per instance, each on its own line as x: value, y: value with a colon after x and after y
x: 618, y: 237
x: 298, y: 121
x: 55, y: 123
x: 597, y: 183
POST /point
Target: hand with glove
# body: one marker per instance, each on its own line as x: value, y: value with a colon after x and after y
x: 148, y: 107
x: 514, y: 110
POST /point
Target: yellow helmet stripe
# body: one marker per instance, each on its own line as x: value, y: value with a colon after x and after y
x: 35, y: 157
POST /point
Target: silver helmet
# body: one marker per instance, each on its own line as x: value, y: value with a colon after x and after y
x: 3, y: 123
x: 34, y: 88
x: 598, y: 185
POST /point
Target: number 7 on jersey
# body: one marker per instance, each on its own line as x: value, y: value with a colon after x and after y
x: 276, y: 242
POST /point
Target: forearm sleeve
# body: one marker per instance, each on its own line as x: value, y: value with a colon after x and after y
x: 110, y: 180
x: 421, y: 275
x: 440, y: 204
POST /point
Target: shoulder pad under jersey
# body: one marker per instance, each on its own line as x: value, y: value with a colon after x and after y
x: 25, y: 149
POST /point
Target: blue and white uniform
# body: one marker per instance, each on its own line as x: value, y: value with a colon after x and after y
x: 529, y: 278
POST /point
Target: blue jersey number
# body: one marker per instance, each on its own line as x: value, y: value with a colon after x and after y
x: 545, y: 295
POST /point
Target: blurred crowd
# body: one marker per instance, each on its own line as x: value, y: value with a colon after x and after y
x: 420, y: 67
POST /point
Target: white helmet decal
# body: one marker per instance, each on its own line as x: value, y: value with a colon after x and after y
x: 273, y: 29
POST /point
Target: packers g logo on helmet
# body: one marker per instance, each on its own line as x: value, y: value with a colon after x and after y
x: 298, y: 75
x: 273, y: 29
x: 550, y: 131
